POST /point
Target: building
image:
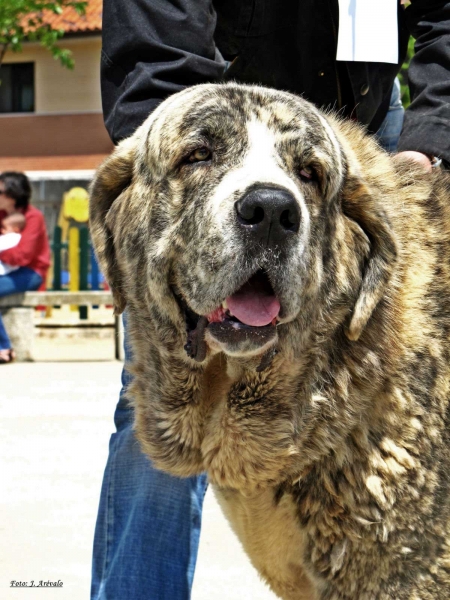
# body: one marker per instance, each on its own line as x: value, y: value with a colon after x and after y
x: 50, y: 117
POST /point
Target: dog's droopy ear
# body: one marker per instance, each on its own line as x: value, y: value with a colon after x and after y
x: 111, y: 179
x: 363, y: 205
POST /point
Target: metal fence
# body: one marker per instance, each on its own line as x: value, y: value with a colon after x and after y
x: 48, y: 194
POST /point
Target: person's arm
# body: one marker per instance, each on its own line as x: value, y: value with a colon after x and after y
x: 426, y: 127
x: 30, y: 243
x: 151, y: 49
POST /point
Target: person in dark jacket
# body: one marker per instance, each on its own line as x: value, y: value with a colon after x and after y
x: 148, y: 523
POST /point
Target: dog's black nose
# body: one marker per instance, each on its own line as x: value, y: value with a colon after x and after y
x: 269, y: 215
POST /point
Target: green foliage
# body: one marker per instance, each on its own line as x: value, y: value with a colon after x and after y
x: 24, y: 20
x: 403, y: 75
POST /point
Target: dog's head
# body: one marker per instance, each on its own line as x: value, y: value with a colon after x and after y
x: 233, y: 211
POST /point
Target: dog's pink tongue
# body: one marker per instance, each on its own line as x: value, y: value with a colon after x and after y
x: 254, y: 304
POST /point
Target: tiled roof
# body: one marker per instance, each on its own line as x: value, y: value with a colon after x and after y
x: 71, y: 22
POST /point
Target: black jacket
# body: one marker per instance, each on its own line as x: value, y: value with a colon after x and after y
x: 153, y: 48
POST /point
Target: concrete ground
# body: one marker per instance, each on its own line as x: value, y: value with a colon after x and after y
x: 54, y: 432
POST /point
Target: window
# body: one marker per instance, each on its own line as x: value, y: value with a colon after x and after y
x: 17, y: 87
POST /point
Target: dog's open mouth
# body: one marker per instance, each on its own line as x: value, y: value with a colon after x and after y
x: 247, y: 318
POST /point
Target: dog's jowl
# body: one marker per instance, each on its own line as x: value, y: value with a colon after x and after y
x: 287, y: 285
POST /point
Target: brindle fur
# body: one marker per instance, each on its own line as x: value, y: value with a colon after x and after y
x: 331, y: 463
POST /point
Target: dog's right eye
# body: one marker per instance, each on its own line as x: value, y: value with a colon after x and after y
x: 199, y: 155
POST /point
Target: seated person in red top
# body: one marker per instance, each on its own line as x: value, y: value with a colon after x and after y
x: 32, y: 253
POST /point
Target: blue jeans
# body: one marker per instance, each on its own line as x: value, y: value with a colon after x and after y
x: 390, y: 129
x: 22, y: 280
x: 148, y: 522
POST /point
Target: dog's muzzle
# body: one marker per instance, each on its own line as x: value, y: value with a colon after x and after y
x: 245, y: 323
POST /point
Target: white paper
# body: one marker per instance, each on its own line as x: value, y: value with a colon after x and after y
x: 368, y: 31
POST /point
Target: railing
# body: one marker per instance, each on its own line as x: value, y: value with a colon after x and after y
x: 74, y: 265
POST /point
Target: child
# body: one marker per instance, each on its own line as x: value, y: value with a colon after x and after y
x: 11, y: 229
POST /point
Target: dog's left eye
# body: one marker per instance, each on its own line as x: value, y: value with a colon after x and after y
x: 199, y: 155
x: 307, y: 174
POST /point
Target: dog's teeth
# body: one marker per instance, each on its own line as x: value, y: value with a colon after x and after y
x: 224, y: 305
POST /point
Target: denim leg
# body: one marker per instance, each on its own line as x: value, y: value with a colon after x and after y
x: 390, y: 129
x: 22, y: 280
x: 5, y: 342
x: 148, y: 523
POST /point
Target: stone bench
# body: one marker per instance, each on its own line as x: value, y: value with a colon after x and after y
x: 18, y: 316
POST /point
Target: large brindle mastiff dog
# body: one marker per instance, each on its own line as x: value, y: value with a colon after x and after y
x: 287, y: 289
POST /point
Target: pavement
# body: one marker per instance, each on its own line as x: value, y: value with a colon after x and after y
x: 54, y: 433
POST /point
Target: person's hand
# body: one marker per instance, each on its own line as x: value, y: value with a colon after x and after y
x: 417, y: 157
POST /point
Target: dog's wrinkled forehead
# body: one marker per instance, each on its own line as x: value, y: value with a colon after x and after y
x: 236, y: 116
